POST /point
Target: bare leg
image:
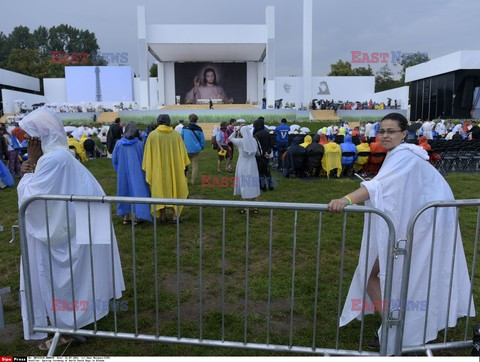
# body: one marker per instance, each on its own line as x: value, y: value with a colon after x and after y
x: 373, y: 286
x: 219, y: 166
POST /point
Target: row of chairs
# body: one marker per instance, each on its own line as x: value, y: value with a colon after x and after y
x: 455, y: 155
x: 369, y: 168
x: 454, y: 159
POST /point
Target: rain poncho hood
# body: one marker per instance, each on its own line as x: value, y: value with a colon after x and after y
x: 47, y: 126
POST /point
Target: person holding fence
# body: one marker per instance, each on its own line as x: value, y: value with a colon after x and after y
x: 405, y: 182
x: 52, y: 169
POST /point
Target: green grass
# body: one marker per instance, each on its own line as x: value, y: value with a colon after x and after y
x: 288, y: 190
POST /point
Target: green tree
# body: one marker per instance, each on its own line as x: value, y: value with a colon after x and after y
x: 384, y: 79
x: 4, y: 49
x: 154, y: 70
x: 40, y: 40
x: 341, y: 68
x: 31, y: 53
x: 20, y: 38
x: 362, y: 71
x: 411, y: 60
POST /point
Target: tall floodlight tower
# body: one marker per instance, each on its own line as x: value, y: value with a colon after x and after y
x: 98, y: 90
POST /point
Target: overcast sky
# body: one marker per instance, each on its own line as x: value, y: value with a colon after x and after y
x: 437, y: 27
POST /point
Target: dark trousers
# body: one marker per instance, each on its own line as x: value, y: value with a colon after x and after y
x: 264, y: 173
x: 281, y: 148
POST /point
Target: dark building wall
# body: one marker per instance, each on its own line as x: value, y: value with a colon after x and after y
x: 448, y: 95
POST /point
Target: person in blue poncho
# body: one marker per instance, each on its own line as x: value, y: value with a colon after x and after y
x: 348, y: 146
x: 6, y: 178
x: 127, y: 160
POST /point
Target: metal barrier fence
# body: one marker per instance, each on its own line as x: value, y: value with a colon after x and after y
x: 429, y: 347
x: 248, y: 327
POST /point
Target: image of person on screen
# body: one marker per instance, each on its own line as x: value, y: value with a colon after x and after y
x: 207, y: 89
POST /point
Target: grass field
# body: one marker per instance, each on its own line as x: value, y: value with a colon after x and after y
x: 288, y: 190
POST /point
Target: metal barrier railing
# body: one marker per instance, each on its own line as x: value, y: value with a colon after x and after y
x: 436, y: 206
x: 201, y: 340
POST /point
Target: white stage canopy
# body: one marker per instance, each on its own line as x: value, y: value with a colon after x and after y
x: 202, y: 43
x: 463, y: 59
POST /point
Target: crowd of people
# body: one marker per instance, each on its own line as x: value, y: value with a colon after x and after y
x: 323, y: 104
x: 155, y: 163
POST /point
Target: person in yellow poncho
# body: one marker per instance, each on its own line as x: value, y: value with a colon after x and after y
x: 164, y: 161
x: 361, y: 161
x: 79, y: 150
x: 307, y: 140
x: 332, y: 158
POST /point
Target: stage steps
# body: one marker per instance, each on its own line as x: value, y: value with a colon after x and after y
x: 107, y: 117
x: 205, y: 106
x: 324, y: 115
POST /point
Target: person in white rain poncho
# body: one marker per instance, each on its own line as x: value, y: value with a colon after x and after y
x: 246, y: 173
x: 427, y: 129
x: 51, y: 169
x: 406, y: 181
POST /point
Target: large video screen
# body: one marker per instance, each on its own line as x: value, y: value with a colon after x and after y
x: 220, y: 82
x: 99, y: 84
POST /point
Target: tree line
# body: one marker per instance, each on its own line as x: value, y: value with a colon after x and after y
x: 30, y: 53
x: 384, y: 77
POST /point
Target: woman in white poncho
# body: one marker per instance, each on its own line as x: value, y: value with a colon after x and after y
x: 246, y: 173
x: 51, y: 169
x: 405, y: 182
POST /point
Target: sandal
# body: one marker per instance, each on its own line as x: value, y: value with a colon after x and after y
x: 243, y: 211
x: 63, y: 340
x: 174, y: 221
x: 126, y: 222
x: 255, y: 211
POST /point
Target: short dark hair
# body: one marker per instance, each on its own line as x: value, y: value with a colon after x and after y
x: 399, y: 118
x: 117, y: 120
x: 284, y: 120
x: 163, y: 119
x: 316, y: 138
x: 233, y: 120
x: 193, y: 117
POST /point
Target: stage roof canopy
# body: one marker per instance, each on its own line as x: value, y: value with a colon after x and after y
x: 463, y: 59
x: 204, y: 43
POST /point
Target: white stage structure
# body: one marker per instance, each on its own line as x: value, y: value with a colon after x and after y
x: 253, y: 44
